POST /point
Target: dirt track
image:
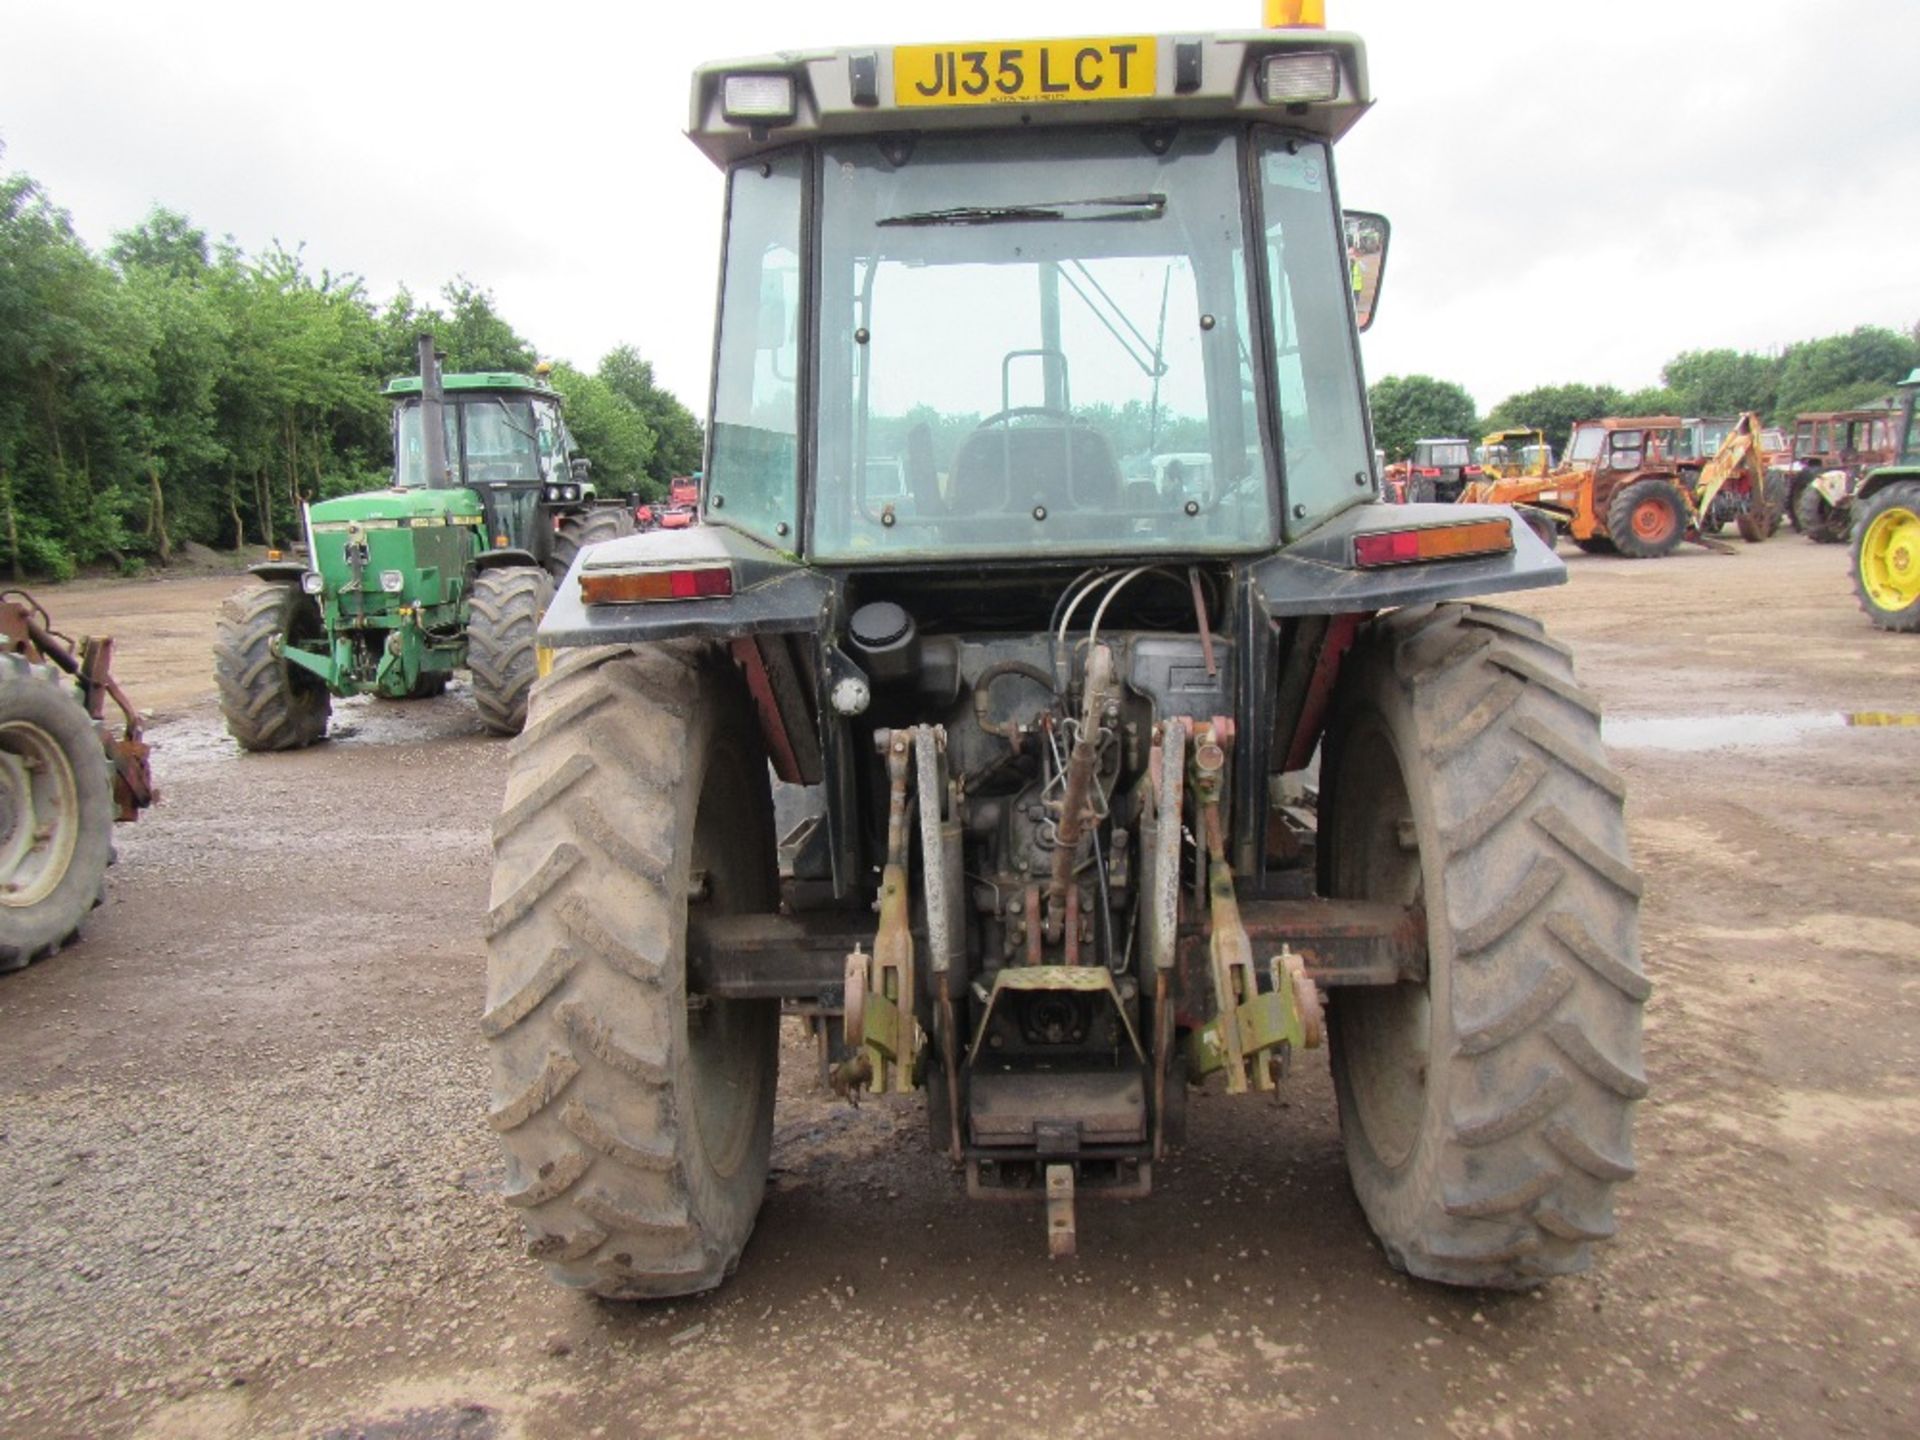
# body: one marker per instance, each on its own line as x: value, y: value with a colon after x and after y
x: 249, y: 1187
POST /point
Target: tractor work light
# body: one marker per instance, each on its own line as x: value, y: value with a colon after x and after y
x: 392, y: 581
x: 555, y: 494
x: 758, y: 98
x: 1432, y: 542
x: 313, y: 582
x: 681, y: 582
x: 1300, y: 79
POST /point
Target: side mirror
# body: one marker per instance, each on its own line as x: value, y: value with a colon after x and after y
x: 580, y: 468
x: 1367, y: 235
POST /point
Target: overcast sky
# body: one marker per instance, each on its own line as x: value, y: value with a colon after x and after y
x: 1578, y: 190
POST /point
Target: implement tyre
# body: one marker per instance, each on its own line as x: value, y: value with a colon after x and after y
x: 584, y: 528
x: 636, y: 1128
x: 1647, y: 519
x: 507, y: 605
x: 267, y: 703
x: 1886, y: 557
x: 56, y: 812
x: 1487, y: 1112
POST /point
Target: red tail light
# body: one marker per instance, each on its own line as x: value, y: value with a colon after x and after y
x: 1432, y: 542
x: 1427, y: 474
x: 627, y: 587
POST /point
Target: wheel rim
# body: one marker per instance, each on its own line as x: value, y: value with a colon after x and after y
x: 1652, y: 521
x: 1385, y: 1032
x: 725, y: 1037
x: 39, y: 814
x: 1890, y: 559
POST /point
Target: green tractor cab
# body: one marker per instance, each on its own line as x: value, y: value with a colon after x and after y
x: 448, y: 568
x: 1102, y: 775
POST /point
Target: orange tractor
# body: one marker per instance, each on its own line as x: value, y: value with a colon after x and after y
x: 1632, y: 486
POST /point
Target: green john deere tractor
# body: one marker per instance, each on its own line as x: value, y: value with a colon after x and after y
x: 450, y: 566
x: 1107, y: 780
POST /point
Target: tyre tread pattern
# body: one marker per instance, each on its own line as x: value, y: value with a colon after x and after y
x: 1541, y: 905
x: 505, y: 613
x: 264, y: 708
x: 582, y: 988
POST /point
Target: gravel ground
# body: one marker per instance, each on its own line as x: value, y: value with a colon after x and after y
x: 249, y: 1188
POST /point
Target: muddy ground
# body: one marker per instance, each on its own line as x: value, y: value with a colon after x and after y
x: 248, y: 1188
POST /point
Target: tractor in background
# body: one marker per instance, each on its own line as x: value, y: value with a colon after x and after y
x: 1502, y: 454
x: 680, y: 509
x: 1438, y: 470
x: 1832, y: 449
x: 449, y: 567
x: 1637, y: 486
x: 1886, y: 532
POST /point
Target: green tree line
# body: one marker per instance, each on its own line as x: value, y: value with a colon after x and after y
x: 170, y: 390
x: 1837, y: 372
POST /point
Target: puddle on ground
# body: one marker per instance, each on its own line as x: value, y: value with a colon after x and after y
x: 1744, y: 730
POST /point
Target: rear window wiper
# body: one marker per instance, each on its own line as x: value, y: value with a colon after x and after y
x: 1111, y: 207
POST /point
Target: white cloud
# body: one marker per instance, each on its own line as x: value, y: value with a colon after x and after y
x: 1578, y: 191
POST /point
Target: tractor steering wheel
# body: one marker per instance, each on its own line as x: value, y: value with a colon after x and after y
x: 1023, y: 412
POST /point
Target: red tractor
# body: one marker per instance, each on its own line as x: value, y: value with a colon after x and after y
x: 680, y: 509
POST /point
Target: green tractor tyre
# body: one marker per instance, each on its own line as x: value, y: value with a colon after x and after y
x: 507, y: 604
x: 267, y: 703
x: 56, y: 812
x: 584, y: 528
x: 1886, y: 557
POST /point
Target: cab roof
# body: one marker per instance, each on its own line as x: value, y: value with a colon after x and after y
x: 480, y: 380
x: 859, y: 90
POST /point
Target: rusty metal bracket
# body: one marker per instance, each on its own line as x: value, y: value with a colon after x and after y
x: 941, y: 865
x: 881, y: 1029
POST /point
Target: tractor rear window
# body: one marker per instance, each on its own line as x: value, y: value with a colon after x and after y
x: 1029, y: 344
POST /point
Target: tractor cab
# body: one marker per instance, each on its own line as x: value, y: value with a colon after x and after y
x: 507, y: 441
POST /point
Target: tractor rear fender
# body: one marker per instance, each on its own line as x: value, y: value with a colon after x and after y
x: 773, y: 593
x: 497, y: 559
x: 1317, y: 576
x: 1879, y: 479
x: 278, y: 570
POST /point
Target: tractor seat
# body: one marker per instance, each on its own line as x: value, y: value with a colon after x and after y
x: 1014, y: 468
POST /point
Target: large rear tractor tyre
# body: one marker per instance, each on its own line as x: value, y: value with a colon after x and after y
x: 1487, y: 1112
x: 56, y: 812
x: 637, y: 1121
x: 1886, y: 557
x: 1819, y: 521
x: 507, y: 605
x: 267, y: 703
x: 584, y: 528
x: 1647, y: 519
x: 1596, y: 545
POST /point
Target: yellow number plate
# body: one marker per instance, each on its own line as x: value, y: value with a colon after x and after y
x: 1023, y: 72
